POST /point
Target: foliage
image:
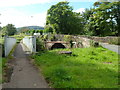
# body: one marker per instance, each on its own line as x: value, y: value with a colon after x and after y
x: 115, y: 41
x: 85, y: 68
x: 3, y: 65
x: 40, y: 31
x: 2, y: 46
x: 63, y: 20
x: 94, y: 43
x: 45, y: 37
x: 67, y: 38
x: 39, y: 45
x: 49, y: 29
x: 103, y: 19
x: 1, y: 40
x: 8, y: 30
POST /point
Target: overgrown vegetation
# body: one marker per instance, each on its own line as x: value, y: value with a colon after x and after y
x: 9, y: 29
x: 85, y: 68
x: 103, y: 19
x: 5, y: 67
x: 2, y: 46
x: 115, y: 41
x: 40, y: 44
x: 62, y: 19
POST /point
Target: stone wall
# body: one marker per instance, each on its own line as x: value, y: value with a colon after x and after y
x: 30, y: 42
x: 9, y: 44
x: 77, y: 41
x: 108, y: 39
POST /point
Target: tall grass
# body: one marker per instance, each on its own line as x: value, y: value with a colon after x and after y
x: 85, y: 68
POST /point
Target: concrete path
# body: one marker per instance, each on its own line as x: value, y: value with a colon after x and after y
x: 114, y: 48
x: 25, y: 75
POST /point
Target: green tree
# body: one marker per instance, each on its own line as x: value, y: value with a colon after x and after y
x: 41, y: 32
x: 115, y: 15
x: 103, y: 19
x: 9, y: 29
x: 49, y: 28
x: 63, y: 20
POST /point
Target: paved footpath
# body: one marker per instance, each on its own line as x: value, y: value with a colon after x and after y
x: 114, y: 48
x: 25, y: 75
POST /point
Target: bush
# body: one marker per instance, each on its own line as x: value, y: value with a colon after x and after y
x: 45, y: 37
x: 67, y: 38
x: 94, y: 43
x: 115, y: 41
x: 2, y: 47
x: 3, y: 51
x: 39, y: 45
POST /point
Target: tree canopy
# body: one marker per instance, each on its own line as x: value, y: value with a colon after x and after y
x: 8, y: 30
x: 103, y: 19
x: 63, y: 19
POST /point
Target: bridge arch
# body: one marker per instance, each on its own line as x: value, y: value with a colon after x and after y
x: 57, y: 46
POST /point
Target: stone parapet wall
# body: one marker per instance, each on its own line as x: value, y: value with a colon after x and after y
x: 108, y: 39
x: 78, y: 41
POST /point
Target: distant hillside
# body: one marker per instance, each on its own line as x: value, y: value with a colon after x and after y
x: 31, y: 28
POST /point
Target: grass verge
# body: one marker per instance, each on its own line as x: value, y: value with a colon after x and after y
x: 85, y: 68
x: 4, y: 67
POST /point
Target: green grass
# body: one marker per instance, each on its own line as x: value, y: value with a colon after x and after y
x: 3, y: 65
x: 1, y: 40
x: 0, y: 70
x: 85, y: 68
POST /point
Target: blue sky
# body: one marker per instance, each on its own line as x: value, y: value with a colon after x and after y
x: 33, y: 12
x: 37, y: 8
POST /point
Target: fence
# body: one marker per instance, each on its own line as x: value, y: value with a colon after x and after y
x: 9, y: 44
x: 30, y: 42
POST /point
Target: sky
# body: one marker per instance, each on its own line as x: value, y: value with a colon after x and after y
x: 33, y: 12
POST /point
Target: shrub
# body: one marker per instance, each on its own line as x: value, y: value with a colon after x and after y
x: 3, y: 51
x: 94, y: 43
x: 39, y: 45
x: 45, y: 37
x: 67, y: 38
x: 115, y: 41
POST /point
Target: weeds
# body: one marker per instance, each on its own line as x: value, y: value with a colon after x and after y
x: 85, y: 68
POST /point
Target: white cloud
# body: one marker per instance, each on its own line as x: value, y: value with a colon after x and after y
x: 9, y: 3
x: 19, y: 19
x: 80, y: 10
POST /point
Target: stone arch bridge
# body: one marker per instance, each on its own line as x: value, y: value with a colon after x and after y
x: 56, y: 44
